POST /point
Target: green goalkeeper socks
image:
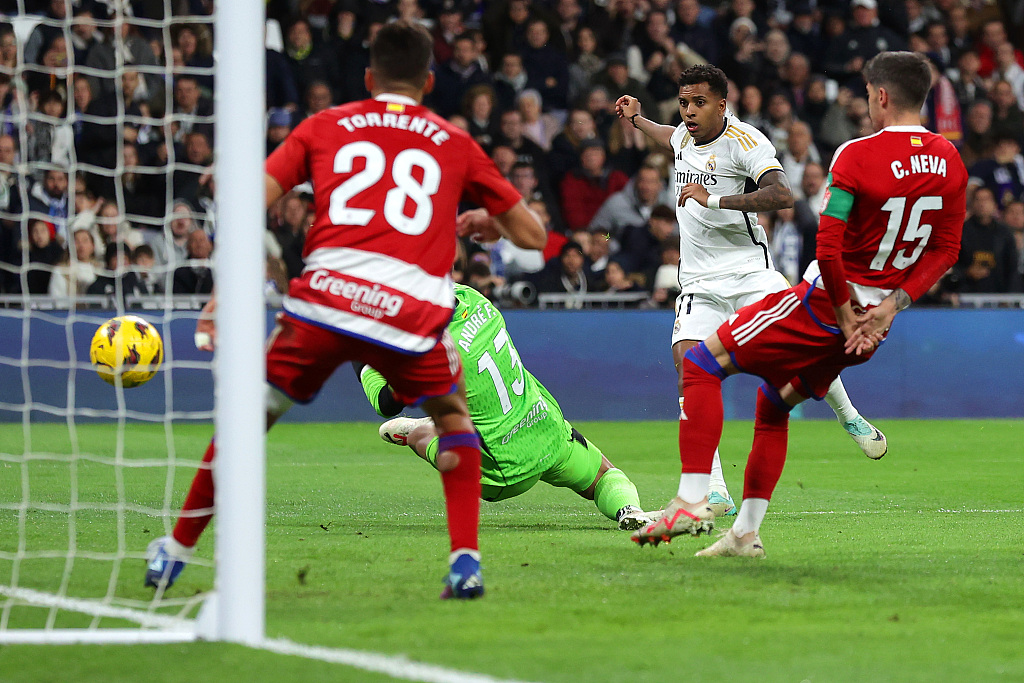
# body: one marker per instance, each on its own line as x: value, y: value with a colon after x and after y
x: 613, y: 492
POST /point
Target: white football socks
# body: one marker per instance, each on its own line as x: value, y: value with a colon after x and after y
x: 839, y: 401
x: 717, y: 482
x: 693, y: 487
x: 750, y: 516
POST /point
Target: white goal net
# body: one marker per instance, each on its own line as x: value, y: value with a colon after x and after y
x: 107, y: 189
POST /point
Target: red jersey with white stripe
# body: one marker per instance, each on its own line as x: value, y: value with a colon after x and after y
x: 903, y: 230
x: 388, y: 176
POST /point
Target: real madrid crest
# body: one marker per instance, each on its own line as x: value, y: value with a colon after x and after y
x: 710, y: 166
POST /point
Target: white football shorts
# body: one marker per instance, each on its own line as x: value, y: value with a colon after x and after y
x: 705, y: 304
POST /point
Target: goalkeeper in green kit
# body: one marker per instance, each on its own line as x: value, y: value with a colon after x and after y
x: 524, y: 438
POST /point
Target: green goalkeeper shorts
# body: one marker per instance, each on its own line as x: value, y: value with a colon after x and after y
x: 575, y: 467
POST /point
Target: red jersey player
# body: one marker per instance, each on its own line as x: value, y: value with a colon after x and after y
x: 388, y: 175
x: 890, y: 227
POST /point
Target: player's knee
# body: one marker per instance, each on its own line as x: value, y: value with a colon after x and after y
x: 447, y: 461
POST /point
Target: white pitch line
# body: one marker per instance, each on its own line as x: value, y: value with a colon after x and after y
x: 395, y: 666
x: 890, y: 511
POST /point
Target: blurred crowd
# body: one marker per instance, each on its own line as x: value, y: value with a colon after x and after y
x: 106, y: 128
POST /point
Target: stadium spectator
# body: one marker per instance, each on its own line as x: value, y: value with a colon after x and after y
x: 8, y: 49
x: 43, y: 250
x: 449, y: 25
x: 564, y: 154
x: 587, y: 64
x: 538, y: 126
x: 641, y: 245
x: 308, y: 61
x: 149, y: 280
x: 144, y: 193
x: 1003, y: 172
x: 478, y: 106
x: 988, y: 253
x: 993, y: 35
x: 617, y: 281
x: 279, y: 124
x: 111, y: 226
x: 187, y: 181
x: 456, y: 76
x: 842, y: 120
x: 134, y: 51
x: 44, y: 32
x: 117, y: 278
x: 50, y: 198
x: 688, y: 29
x: 566, y: 273
x: 800, y: 151
x: 547, y: 69
x: 806, y: 210
x: 171, y: 251
x: 510, y: 133
x: 616, y: 79
x: 751, y: 108
x: 1013, y: 217
x: 10, y: 191
x: 196, y: 45
x: 195, y: 277
x: 291, y: 232
x: 49, y: 77
x: 282, y: 93
x: 741, y: 57
x: 50, y: 137
x: 969, y: 86
x: 584, y: 189
x: 862, y: 40
x: 785, y: 242
x: 190, y: 106
x: 98, y: 142
x: 633, y: 205
x: 1008, y: 70
x: 651, y: 47
x: 1007, y: 118
x: 510, y: 81
x: 79, y: 265
x: 84, y: 33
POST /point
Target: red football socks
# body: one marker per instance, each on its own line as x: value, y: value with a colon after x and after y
x: 462, y: 488
x: 701, y: 428
x: 768, y: 453
x: 200, y: 497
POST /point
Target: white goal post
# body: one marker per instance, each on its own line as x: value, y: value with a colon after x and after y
x: 234, y: 610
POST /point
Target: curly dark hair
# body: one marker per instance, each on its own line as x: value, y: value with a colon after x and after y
x: 706, y: 73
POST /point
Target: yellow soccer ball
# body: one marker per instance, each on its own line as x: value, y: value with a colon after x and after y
x: 127, y: 347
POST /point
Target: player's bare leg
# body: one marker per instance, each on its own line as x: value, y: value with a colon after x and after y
x: 458, y: 461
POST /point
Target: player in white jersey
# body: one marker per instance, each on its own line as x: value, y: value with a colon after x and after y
x: 724, y: 261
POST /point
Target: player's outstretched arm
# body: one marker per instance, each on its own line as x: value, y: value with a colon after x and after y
x: 774, y: 192
x: 519, y: 225
x: 628, y: 107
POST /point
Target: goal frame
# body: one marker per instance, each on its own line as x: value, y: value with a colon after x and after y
x: 235, y: 610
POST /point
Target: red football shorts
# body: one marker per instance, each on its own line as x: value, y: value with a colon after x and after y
x: 790, y: 337
x: 301, y: 356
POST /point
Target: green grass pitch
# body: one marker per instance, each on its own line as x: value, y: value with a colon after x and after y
x: 907, y: 569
